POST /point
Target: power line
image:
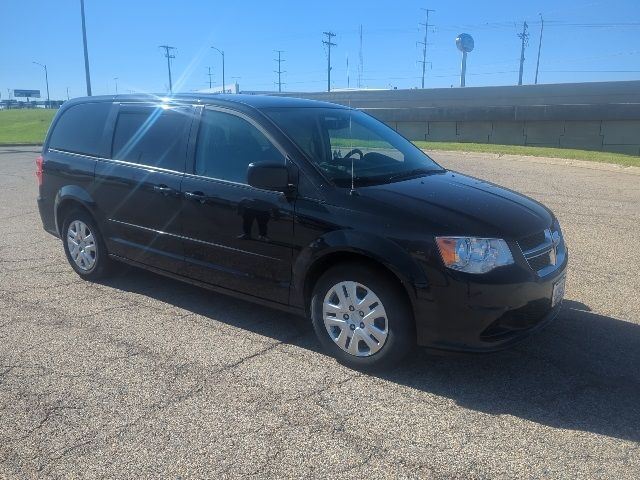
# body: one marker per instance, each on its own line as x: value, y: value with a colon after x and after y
x: 329, y: 44
x: 593, y: 71
x: 558, y: 23
x: 453, y: 75
x: 169, y: 55
x: 279, y: 71
x: 498, y: 25
x: 524, y: 36
x: 424, y: 44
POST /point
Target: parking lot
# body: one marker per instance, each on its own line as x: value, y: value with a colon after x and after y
x: 141, y: 376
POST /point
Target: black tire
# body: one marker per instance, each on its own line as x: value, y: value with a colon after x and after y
x: 102, y: 265
x: 400, y: 324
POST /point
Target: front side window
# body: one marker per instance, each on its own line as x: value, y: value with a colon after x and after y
x: 152, y: 136
x: 350, y: 145
x: 227, y: 144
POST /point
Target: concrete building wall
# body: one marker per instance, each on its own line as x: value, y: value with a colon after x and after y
x: 508, y: 133
x: 592, y: 116
x: 441, y: 131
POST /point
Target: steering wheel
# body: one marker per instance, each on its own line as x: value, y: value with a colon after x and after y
x: 355, y: 150
x: 333, y: 167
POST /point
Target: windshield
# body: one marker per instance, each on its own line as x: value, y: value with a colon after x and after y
x: 339, y: 140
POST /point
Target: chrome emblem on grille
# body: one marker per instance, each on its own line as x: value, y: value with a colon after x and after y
x: 555, y: 241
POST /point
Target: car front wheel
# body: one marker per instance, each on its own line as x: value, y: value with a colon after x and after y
x: 362, y: 317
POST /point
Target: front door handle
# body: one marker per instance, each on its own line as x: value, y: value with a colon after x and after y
x: 163, y: 189
x: 198, y: 196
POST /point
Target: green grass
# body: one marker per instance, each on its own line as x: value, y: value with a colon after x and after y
x: 28, y: 126
x: 566, y: 153
x: 573, y: 154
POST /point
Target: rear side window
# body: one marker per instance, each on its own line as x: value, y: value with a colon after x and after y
x: 80, y: 129
x: 152, y: 136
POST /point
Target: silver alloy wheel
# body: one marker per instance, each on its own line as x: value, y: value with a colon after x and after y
x: 82, y: 245
x: 355, y: 318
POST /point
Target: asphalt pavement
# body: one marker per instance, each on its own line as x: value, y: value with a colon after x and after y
x: 144, y: 377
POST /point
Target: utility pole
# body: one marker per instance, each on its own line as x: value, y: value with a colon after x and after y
x: 86, y: 51
x: 329, y: 44
x: 348, y: 77
x: 46, y: 77
x: 539, y: 47
x: 279, y: 71
x: 169, y: 55
x: 115, y: 79
x: 524, y: 36
x: 221, y: 52
x: 209, y: 74
x: 424, y: 44
x: 67, y: 93
x: 360, y: 61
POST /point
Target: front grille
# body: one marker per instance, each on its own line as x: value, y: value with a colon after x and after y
x: 532, y: 241
x: 539, y: 262
x: 515, y: 321
x: 543, y: 250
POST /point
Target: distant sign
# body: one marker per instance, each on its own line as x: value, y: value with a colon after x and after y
x: 26, y: 93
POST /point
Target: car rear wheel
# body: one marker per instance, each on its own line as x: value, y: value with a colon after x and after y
x: 83, y: 246
x: 362, y: 317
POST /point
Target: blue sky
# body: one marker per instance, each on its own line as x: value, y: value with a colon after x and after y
x: 583, y: 41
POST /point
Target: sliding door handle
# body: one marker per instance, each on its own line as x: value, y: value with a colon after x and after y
x: 198, y: 196
x: 163, y: 189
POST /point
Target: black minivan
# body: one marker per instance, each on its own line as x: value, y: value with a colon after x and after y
x: 306, y: 206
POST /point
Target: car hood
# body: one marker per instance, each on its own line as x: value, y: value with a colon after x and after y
x: 457, y: 204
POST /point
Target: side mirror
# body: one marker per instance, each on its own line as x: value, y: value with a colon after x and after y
x: 269, y: 176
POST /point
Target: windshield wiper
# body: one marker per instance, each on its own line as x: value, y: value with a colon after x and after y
x: 412, y: 173
x: 382, y: 179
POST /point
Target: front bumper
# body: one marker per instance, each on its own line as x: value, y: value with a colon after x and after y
x: 489, y: 313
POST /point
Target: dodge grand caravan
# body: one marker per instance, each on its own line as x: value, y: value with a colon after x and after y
x: 306, y: 206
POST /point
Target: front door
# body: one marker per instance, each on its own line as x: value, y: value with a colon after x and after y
x: 236, y: 236
x: 138, y: 189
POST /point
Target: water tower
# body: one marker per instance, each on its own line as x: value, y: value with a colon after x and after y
x: 465, y: 44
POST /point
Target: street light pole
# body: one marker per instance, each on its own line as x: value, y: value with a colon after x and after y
x: 86, y: 51
x: 221, y: 53
x: 116, y: 80
x: 46, y: 77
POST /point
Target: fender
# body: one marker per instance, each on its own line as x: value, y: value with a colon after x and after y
x: 381, y: 250
x: 76, y: 194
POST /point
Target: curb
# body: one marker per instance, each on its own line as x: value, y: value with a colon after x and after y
x: 2, y: 145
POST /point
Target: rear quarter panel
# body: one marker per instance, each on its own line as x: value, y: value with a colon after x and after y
x: 66, y: 177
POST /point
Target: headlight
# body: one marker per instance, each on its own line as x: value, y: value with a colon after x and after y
x: 474, y: 255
